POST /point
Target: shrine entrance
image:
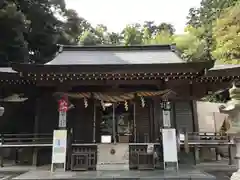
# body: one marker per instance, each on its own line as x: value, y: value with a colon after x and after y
x: 116, y: 132
x: 117, y: 122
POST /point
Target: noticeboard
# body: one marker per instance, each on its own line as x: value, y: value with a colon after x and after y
x: 169, y: 145
x: 59, y: 148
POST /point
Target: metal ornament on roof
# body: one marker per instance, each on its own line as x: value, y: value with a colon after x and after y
x: 85, y: 102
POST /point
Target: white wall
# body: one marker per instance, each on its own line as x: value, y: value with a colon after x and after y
x: 209, y: 117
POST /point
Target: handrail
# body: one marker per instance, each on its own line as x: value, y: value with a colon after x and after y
x: 25, y: 139
x: 32, y: 134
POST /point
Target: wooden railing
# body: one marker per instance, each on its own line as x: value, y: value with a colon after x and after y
x: 206, y: 138
x: 24, y: 140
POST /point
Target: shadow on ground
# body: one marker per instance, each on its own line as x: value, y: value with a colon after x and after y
x: 221, y: 175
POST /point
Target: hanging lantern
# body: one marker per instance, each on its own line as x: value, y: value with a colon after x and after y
x: 85, y: 102
x: 103, y: 105
x: 142, y: 101
x: 1, y: 111
x: 126, y: 105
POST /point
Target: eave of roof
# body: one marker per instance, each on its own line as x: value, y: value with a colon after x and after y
x: 7, y: 70
x: 224, y: 70
x: 115, y: 68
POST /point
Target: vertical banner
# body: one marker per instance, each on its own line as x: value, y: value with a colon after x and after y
x: 62, y: 123
x: 62, y: 108
x: 166, y: 118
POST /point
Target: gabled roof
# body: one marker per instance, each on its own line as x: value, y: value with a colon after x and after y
x: 225, y: 70
x: 115, y: 55
x: 116, y: 59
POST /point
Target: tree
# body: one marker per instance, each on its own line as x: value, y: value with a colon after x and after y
x: 227, y: 35
x: 32, y: 29
x: 132, y: 34
x: 166, y: 27
x: 162, y: 37
x: 88, y: 38
x: 205, y: 17
x: 192, y: 45
x: 115, y: 38
x: 13, y: 23
x: 44, y: 28
x: 193, y: 18
x: 72, y: 27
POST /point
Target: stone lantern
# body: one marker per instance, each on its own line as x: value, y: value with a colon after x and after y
x: 232, y: 109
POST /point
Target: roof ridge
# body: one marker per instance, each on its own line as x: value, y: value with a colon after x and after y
x: 170, y: 47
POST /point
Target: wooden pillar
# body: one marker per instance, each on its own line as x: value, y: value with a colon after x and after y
x: 114, y: 124
x: 230, y: 152
x: 36, y: 129
x: 134, y: 122
x: 195, y: 124
x: 94, y: 120
x: 1, y: 151
x: 195, y: 129
x: 151, y: 120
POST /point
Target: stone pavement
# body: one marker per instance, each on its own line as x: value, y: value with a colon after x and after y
x: 185, y: 174
x: 220, y: 169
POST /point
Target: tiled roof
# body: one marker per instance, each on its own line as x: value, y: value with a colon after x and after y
x: 102, y: 55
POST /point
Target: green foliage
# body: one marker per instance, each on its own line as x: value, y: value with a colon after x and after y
x: 35, y: 28
x: 32, y: 29
x: 205, y: 17
x: 88, y: 38
x: 227, y: 35
x: 191, y: 46
x: 132, y: 34
x: 13, y: 25
x: 162, y: 37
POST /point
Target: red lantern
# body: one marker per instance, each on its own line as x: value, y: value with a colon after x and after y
x: 62, y: 105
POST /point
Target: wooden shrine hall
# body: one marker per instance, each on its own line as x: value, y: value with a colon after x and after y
x: 120, y: 100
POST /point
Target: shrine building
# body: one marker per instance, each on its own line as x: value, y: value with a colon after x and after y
x: 114, y: 102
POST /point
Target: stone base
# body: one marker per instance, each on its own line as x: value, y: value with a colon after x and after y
x: 113, y: 167
x: 235, y: 176
x: 113, y: 157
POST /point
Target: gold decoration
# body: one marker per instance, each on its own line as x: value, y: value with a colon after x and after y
x: 103, y: 106
x: 126, y: 105
x: 85, y: 102
x: 142, y: 101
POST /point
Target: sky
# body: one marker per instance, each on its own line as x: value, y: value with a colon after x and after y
x: 115, y: 14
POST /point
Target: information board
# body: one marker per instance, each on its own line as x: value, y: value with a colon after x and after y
x: 169, y: 145
x: 59, y: 147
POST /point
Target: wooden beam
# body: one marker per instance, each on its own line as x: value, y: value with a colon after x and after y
x: 99, y: 83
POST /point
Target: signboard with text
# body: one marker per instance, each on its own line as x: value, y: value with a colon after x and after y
x: 59, y: 148
x: 169, y: 146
